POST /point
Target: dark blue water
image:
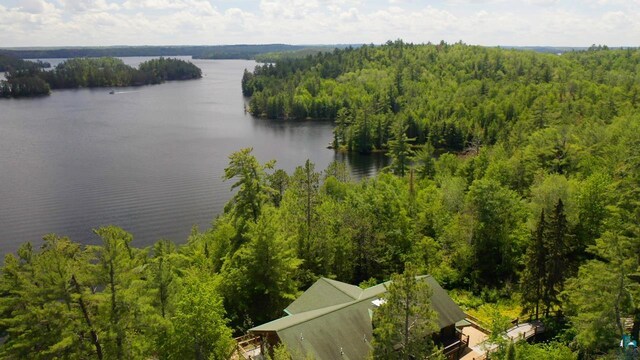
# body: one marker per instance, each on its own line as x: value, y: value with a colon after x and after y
x: 148, y: 159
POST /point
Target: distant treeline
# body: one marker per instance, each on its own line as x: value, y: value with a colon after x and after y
x: 265, y: 53
x: 7, y: 63
x: 454, y: 97
x: 94, y: 72
x: 197, y: 52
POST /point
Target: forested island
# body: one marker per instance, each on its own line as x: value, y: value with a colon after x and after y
x: 26, y: 79
x: 197, y: 52
x: 8, y: 63
x: 514, y: 182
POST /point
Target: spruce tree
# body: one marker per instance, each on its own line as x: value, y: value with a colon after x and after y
x: 532, y: 281
x: 557, y: 239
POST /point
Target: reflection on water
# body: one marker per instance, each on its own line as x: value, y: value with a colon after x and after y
x: 362, y: 166
x: 149, y: 159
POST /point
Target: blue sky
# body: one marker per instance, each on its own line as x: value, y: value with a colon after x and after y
x: 210, y: 22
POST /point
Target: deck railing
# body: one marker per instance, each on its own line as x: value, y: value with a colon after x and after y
x: 478, y: 324
x: 246, y: 343
x: 452, y: 350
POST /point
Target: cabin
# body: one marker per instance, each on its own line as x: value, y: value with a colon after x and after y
x: 333, y: 320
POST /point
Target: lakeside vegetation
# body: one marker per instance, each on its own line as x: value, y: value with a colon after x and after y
x: 8, y: 63
x: 450, y: 96
x: 530, y: 208
x: 29, y: 80
x: 247, y: 52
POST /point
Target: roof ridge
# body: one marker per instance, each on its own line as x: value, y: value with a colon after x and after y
x: 329, y: 310
x: 332, y: 283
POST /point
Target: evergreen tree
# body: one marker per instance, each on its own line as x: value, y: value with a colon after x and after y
x: 162, y: 270
x: 497, y: 231
x: 200, y: 329
x: 425, y: 162
x: 253, y: 188
x: 404, y: 323
x: 299, y: 209
x: 40, y: 309
x: 602, y: 293
x: 557, y: 265
x: 535, y: 271
x: 126, y: 313
x: 259, y: 278
x: 400, y: 150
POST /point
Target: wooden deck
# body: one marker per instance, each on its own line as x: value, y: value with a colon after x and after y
x: 525, y: 331
x: 479, y: 346
x: 247, y: 348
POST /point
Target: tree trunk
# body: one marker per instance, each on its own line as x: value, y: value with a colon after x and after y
x: 87, y: 319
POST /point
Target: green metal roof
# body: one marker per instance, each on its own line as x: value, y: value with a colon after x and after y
x: 344, y: 333
x: 333, y: 319
x: 324, y: 292
x: 448, y: 312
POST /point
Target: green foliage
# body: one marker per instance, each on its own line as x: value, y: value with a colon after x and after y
x: 403, y: 323
x: 280, y: 352
x: 511, y: 352
x: 498, y: 231
x: 40, y: 310
x: 9, y: 63
x: 525, y: 171
x: 302, y: 219
x: 550, y: 351
x: 124, y: 307
x: 94, y: 72
x: 199, y: 325
x: 400, y: 150
x: 259, y: 279
x: 253, y: 188
x: 197, y: 52
x: 452, y: 96
x: 602, y: 294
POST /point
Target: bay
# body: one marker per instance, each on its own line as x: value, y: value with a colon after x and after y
x: 149, y: 159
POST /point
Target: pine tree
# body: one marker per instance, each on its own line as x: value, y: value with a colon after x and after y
x: 404, y: 322
x: 200, y: 327
x: 259, y: 279
x: 602, y: 293
x: 300, y: 211
x: 400, y: 150
x: 253, y: 189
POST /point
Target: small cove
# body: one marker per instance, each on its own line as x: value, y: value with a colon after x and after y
x: 149, y: 159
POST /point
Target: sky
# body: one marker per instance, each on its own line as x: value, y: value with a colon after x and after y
x: 29, y: 23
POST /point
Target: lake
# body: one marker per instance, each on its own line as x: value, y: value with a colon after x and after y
x: 149, y: 159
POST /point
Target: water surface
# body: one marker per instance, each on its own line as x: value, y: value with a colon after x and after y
x: 149, y: 159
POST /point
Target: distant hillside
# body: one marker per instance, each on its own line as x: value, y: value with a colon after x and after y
x: 562, y: 49
x: 298, y: 54
x: 262, y: 53
x: 197, y: 52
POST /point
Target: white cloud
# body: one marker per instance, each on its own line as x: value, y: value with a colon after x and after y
x: 543, y: 2
x: 155, y: 22
x: 36, y: 6
x: 351, y: 15
x: 289, y: 9
x: 89, y: 5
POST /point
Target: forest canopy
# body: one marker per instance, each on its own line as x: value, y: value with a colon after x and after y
x: 449, y: 96
x: 94, y: 72
x: 514, y: 182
